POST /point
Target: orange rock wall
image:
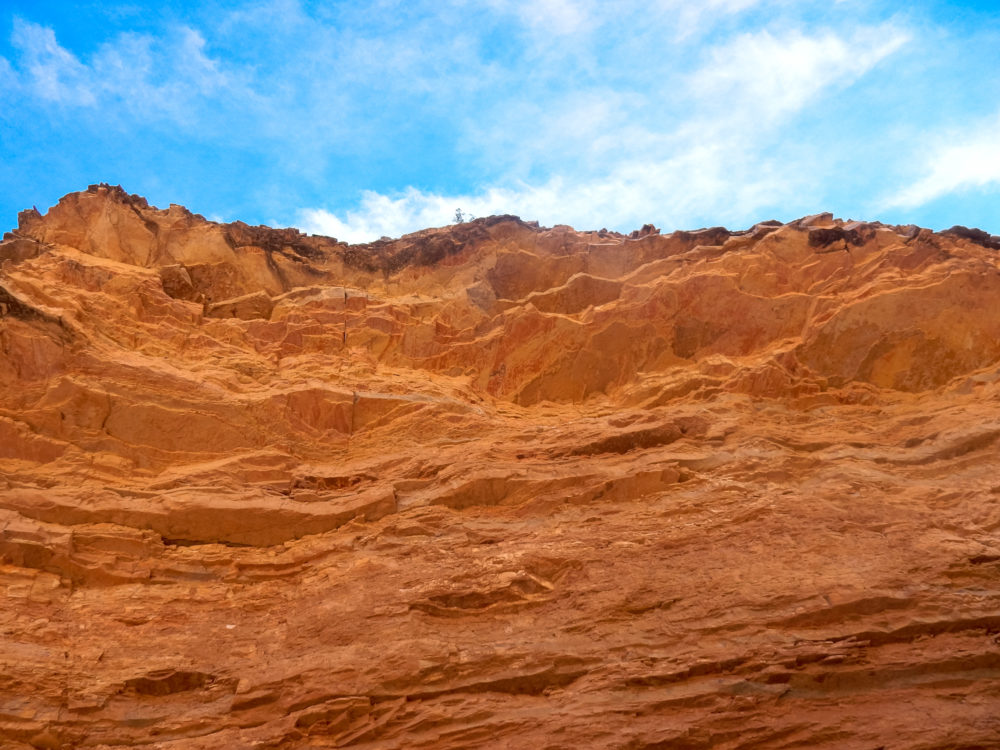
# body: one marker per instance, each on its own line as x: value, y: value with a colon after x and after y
x: 495, y: 485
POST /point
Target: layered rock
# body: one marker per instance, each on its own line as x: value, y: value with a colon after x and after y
x: 496, y: 485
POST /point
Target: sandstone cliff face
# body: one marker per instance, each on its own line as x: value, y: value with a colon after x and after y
x: 495, y: 485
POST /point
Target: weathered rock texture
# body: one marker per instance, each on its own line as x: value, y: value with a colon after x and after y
x: 496, y: 485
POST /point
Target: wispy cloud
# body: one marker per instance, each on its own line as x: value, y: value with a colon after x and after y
x: 8, y: 78
x: 709, y: 165
x: 953, y: 161
x: 775, y: 74
x: 381, y: 117
x: 550, y: 17
x: 169, y: 77
x: 51, y: 71
x: 687, y: 19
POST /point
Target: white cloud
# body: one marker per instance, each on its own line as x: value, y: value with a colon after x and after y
x: 382, y: 215
x: 148, y: 76
x: 570, y: 111
x: 690, y: 18
x: 556, y: 17
x: 612, y: 166
x: 672, y: 192
x: 274, y: 14
x: 54, y: 73
x: 550, y: 20
x: 955, y: 161
x: 8, y: 78
x: 776, y: 74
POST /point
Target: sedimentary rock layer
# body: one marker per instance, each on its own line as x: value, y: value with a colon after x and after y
x: 496, y: 485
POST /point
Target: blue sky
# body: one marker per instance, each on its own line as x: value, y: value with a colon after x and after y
x: 362, y: 119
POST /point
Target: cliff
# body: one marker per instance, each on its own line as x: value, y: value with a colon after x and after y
x: 496, y: 485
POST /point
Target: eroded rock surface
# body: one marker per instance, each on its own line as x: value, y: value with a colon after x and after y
x: 496, y: 485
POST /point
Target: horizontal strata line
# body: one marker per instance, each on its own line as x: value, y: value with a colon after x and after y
x: 909, y: 633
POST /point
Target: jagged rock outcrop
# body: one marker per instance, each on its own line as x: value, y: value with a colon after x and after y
x: 496, y: 485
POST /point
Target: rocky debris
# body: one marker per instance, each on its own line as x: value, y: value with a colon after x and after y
x: 118, y: 194
x: 710, y: 236
x: 247, y: 307
x: 177, y: 283
x: 646, y: 231
x: 815, y: 221
x: 27, y: 219
x: 854, y: 233
x: 289, y: 242
x: 975, y: 235
x: 428, y: 247
x: 496, y: 485
x: 16, y: 248
x: 15, y: 306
